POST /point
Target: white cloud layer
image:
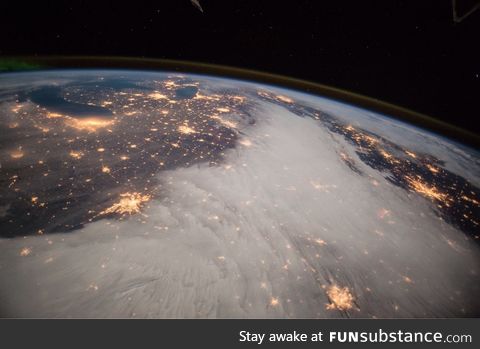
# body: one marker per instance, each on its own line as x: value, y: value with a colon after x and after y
x: 263, y: 235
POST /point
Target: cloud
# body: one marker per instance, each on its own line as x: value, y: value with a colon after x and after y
x: 267, y: 233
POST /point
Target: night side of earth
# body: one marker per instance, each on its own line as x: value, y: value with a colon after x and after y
x: 167, y: 195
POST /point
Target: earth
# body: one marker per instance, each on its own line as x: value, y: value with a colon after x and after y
x: 165, y: 195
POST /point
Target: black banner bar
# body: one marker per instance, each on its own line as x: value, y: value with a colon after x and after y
x: 422, y: 333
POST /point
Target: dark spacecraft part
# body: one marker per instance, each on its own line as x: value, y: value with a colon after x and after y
x: 467, y: 11
x: 196, y: 3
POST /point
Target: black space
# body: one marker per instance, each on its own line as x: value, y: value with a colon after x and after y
x: 409, y: 53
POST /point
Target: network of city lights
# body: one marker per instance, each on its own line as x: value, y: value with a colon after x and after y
x: 58, y: 160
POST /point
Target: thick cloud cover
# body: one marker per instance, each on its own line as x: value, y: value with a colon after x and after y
x: 265, y: 234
